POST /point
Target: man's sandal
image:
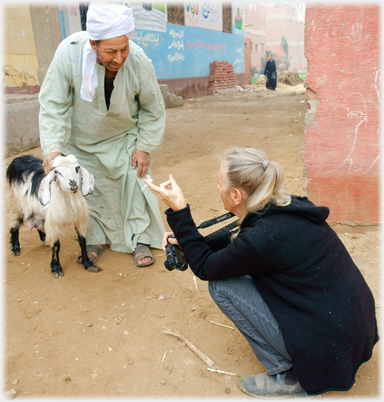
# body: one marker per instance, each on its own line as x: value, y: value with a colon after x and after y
x: 142, y: 251
x: 93, y: 248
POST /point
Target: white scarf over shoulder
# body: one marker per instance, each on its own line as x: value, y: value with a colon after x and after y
x: 104, y: 21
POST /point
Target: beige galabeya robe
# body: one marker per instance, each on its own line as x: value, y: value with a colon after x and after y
x: 121, y: 215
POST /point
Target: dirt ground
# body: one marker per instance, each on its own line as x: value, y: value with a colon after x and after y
x: 88, y: 335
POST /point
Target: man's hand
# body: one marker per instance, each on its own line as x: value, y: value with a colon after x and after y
x: 47, y: 162
x: 141, y: 160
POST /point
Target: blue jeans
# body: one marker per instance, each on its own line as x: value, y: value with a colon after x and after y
x: 239, y: 299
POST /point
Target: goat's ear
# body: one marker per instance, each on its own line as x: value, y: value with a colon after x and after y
x: 87, y: 182
x: 45, y: 188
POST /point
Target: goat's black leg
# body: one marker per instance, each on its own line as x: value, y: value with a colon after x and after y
x: 15, y: 240
x: 88, y: 264
x: 55, y: 263
x: 42, y: 235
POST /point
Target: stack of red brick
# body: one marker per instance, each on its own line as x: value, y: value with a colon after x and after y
x: 222, y: 77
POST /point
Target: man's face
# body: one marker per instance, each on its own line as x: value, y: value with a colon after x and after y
x: 111, y: 53
x: 270, y: 57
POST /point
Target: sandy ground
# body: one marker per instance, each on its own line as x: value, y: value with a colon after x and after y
x: 101, y: 335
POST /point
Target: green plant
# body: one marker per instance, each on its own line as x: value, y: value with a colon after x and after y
x: 285, y: 46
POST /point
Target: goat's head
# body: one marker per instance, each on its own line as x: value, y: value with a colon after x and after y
x: 70, y: 176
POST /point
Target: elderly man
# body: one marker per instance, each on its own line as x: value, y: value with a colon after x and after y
x: 100, y: 101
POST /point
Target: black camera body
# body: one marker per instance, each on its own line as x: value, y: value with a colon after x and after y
x: 175, y: 258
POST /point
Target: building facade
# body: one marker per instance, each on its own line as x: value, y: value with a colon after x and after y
x: 280, y: 30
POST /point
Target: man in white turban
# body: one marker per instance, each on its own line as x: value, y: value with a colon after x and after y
x: 101, y: 102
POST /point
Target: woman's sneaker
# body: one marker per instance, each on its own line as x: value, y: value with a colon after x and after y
x: 282, y: 385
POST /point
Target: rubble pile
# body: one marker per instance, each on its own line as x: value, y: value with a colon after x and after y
x: 289, y: 78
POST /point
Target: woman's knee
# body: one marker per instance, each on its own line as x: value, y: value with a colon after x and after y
x: 212, y: 288
x: 227, y: 287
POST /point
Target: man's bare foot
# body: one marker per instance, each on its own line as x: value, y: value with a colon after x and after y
x: 143, y: 256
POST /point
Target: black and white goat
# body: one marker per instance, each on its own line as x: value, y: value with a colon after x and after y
x: 51, y: 203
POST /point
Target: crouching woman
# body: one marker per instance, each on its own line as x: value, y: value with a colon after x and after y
x: 286, y: 280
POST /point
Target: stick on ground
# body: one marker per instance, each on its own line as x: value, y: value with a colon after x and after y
x: 198, y: 352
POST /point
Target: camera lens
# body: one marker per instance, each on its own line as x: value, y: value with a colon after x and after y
x: 168, y: 265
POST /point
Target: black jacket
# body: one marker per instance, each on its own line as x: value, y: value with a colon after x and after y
x: 318, y: 296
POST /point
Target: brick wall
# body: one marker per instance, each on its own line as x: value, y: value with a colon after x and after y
x: 342, y: 137
x: 222, y: 77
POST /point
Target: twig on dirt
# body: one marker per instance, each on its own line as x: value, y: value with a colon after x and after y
x: 222, y: 372
x: 191, y: 346
x: 137, y: 272
x: 221, y: 325
x: 378, y: 305
x: 117, y: 344
x: 194, y: 280
x: 198, y: 352
x: 165, y: 354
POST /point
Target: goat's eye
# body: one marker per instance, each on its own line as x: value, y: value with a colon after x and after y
x: 77, y: 168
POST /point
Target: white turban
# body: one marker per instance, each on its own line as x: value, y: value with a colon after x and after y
x: 104, y: 21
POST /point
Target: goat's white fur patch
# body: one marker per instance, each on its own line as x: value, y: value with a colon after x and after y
x: 60, y: 207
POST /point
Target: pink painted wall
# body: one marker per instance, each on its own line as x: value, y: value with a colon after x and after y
x: 342, y: 137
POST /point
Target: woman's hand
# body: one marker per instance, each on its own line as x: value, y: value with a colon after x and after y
x: 174, y: 198
x: 167, y: 239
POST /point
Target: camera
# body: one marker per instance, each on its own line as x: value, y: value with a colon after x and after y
x: 175, y: 257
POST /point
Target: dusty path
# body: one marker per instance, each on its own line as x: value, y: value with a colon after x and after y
x: 88, y: 335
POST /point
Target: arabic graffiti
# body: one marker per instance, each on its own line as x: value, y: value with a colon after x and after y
x: 175, y: 34
x: 211, y: 46
x: 177, y: 44
x: 240, y: 59
x: 147, y: 39
x: 73, y: 11
x: 176, y: 57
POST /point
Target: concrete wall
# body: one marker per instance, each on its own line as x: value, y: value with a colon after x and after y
x: 20, y: 58
x: 47, y: 33
x: 21, y: 124
x: 342, y: 137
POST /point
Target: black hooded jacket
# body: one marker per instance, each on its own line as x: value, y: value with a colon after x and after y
x: 318, y: 296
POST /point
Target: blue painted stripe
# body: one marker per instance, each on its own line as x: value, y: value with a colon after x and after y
x: 61, y: 17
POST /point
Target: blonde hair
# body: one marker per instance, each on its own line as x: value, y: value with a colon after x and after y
x: 262, y: 184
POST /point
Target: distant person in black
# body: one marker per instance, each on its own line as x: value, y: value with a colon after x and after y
x: 270, y: 73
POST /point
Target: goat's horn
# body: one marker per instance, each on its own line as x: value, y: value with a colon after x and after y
x: 87, y: 182
x: 45, y: 188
